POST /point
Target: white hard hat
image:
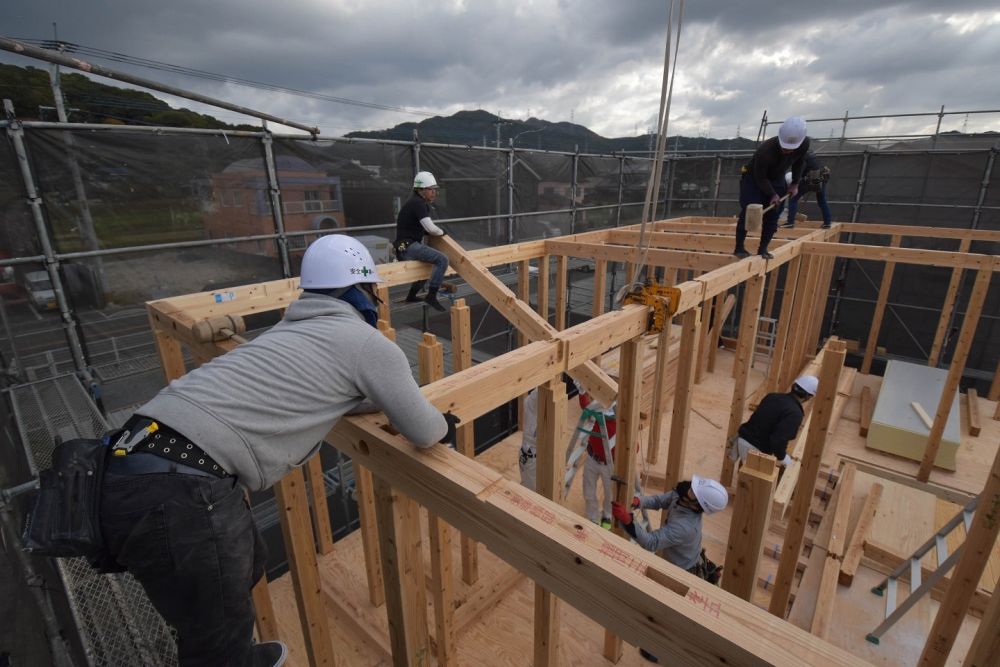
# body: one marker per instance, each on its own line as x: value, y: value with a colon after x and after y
x: 711, y: 495
x: 792, y: 133
x: 336, y: 261
x: 424, y: 179
x: 808, y: 384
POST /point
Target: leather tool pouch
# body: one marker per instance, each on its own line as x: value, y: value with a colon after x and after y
x: 65, y: 521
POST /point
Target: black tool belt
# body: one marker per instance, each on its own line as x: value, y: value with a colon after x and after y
x: 166, y: 443
x: 400, y: 246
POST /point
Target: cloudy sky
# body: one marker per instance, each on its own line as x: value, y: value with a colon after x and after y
x: 597, y: 62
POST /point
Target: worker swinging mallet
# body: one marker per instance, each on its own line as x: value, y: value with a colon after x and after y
x: 755, y: 214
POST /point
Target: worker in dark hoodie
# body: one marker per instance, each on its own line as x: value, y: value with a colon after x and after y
x: 174, y: 512
x: 763, y: 181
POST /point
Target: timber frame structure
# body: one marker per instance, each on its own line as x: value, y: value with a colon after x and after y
x: 634, y: 594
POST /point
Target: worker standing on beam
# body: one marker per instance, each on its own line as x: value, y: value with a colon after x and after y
x: 774, y: 423
x: 412, y: 224
x: 679, y: 538
x: 763, y: 181
x: 173, y: 507
x: 814, y: 178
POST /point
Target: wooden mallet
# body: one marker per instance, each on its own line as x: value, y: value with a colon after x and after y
x: 225, y: 327
x: 755, y: 214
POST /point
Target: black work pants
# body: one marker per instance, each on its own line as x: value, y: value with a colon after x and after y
x: 192, y: 544
x: 751, y: 194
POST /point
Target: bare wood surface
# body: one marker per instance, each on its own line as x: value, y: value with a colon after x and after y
x: 683, y: 397
x: 985, y: 649
x: 972, y: 412
x: 842, y: 514
x: 855, y: 548
x: 320, y: 508
x: 947, y: 307
x: 867, y: 410
x: 465, y: 434
x: 755, y: 484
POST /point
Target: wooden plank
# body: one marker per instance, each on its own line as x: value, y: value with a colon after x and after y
x: 267, y: 627
x: 724, y: 303
x: 384, y: 309
x: 465, y: 434
x: 561, y: 275
x: 979, y: 543
x: 627, y: 438
x: 541, y: 291
x: 855, y: 548
x: 876, y: 322
x: 598, y: 574
x: 838, y: 530
x: 293, y: 512
x: 749, y: 320
x: 994, y: 394
x: 826, y: 598
x: 600, y: 286
x: 900, y: 255
x: 403, y: 570
x: 524, y: 294
x: 320, y: 509
x: 867, y: 409
x: 795, y: 353
x: 364, y: 488
x: 949, y: 305
x: 819, y: 304
x: 955, y: 371
x: 924, y: 417
x: 785, y: 332
x: 772, y: 292
x: 660, y: 393
x: 679, y: 241
x: 985, y: 648
x: 386, y: 330
x: 914, y: 230
x: 703, y: 335
x: 751, y: 517
x: 168, y: 349
x: 833, y: 362
x: 630, y: 255
x: 551, y: 446
x: 680, y: 420
x: 972, y: 412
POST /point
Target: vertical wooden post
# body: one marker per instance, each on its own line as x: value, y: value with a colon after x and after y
x: 561, y: 294
x: 803, y: 300
x: 749, y: 320
x: 170, y: 353
x: 430, y: 357
x: 321, y: 510
x: 713, y: 335
x: 290, y: 494
x: 364, y: 487
x: 751, y: 515
x: 267, y: 627
x: 524, y: 294
x: 883, y: 296
x: 600, y: 285
x: 949, y: 305
x: 785, y: 331
x: 384, y: 309
x: 772, y: 292
x: 994, y: 393
x: 985, y: 648
x: 398, y: 520
x: 976, y: 550
x: 461, y: 359
x: 680, y: 419
x: 386, y: 330
x: 626, y: 439
x: 704, y: 324
x: 660, y: 395
x: 551, y: 447
x: 829, y: 374
x: 969, y: 323
x: 543, y: 288
x: 819, y: 304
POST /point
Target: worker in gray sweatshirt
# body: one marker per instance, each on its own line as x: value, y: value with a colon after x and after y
x: 173, y: 507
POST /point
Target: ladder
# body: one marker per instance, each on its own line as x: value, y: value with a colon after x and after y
x: 767, y: 334
x: 918, y: 586
x: 578, y: 446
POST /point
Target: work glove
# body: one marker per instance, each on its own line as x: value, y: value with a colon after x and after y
x: 619, y: 512
x: 449, y: 437
x: 787, y: 461
x: 793, y: 190
x: 636, y: 502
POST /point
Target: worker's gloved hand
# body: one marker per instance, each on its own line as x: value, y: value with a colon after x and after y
x: 449, y: 437
x: 682, y: 488
x: 619, y: 512
x: 775, y: 200
x: 579, y: 387
x: 787, y: 461
x: 636, y: 502
x: 793, y: 190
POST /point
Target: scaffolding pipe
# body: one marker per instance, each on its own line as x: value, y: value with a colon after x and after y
x: 274, y: 192
x: 23, y: 49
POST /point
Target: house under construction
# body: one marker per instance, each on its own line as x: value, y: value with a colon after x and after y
x: 876, y: 546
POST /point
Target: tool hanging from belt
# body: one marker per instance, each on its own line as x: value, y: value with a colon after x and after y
x: 399, y: 246
x: 147, y: 436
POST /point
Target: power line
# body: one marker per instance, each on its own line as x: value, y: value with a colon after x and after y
x: 103, y: 54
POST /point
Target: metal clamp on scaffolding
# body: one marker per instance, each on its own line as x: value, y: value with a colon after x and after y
x: 661, y: 298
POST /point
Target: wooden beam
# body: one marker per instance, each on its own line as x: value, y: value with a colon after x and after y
x: 600, y: 286
x: 785, y: 332
x: 627, y: 438
x: 749, y: 320
x: 958, y: 358
x: 819, y: 304
x: 703, y: 334
x: 660, y: 393
x: 684, y: 259
x: 403, y: 569
x: 949, y: 305
x: 678, y: 241
x: 680, y: 419
x: 619, y: 585
x: 430, y: 359
x: 386, y: 330
x: 932, y: 232
x: 985, y: 648
x: 867, y: 410
x: 772, y: 292
x: 542, y: 290
x: 267, y: 626
x: 883, y: 297
x: 723, y: 305
x: 972, y: 409
x: 842, y: 514
x: 293, y: 511
x: 561, y: 275
x: 855, y: 548
x: 900, y: 255
x: 976, y: 549
x: 551, y: 448
x: 825, y: 598
x: 364, y: 487
x: 751, y: 516
x: 465, y: 434
x: 384, y: 309
x: 320, y: 508
x: 833, y: 361
x: 994, y: 394
x: 524, y: 294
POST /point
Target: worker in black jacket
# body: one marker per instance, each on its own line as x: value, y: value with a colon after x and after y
x: 763, y: 180
x: 814, y: 178
x: 775, y: 421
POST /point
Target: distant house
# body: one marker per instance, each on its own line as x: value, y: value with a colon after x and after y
x: 311, y: 200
